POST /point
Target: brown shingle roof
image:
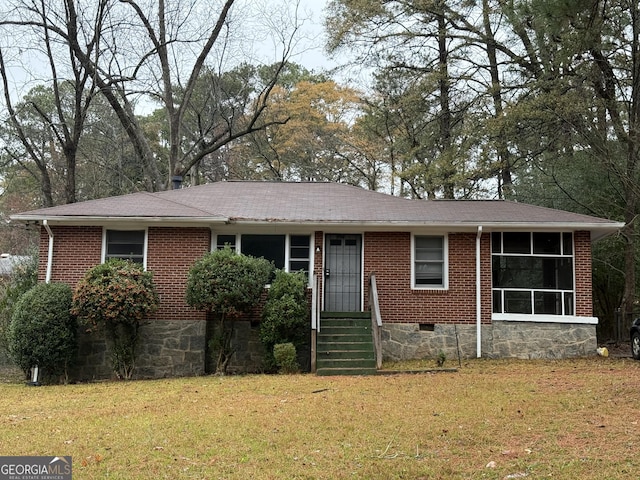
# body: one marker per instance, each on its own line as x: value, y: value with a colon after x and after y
x: 265, y: 202
x: 141, y: 204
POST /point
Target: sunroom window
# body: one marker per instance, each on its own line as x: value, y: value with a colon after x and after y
x: 533, y: 273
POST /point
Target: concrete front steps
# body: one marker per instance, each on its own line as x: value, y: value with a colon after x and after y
x: 344, y: 345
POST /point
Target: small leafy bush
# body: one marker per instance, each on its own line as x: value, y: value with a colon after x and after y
x: 441, y: 358
x: 42, y: 331
x: 285, y: 357
x: 226, y: 284
x: 116, y: 296
x: 285, y: 318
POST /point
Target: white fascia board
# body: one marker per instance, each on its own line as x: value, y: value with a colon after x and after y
x: 100, y: 221
x: 444, y: 226
x: 552, y: 226
x: 598, y: 229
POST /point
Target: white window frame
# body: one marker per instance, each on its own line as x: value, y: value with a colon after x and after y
x: 287, y: 246
x: 287, y: 252
x: 214, y: 240
x: 540, y: 317
x: 445, y: 263
x: 145, y: 247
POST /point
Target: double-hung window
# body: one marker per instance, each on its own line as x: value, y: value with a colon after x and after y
x: 533, y: 273
x: 429, y: 265
x: 287, y: 252
x: 225, y: 241
x: 299, y: 253
x: 125, y: 244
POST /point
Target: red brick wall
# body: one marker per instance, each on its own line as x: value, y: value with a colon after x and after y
x: 584, y: 285
x: 388, y: 255
x: 485, y: 276
x: 170, y: 253
x: 75, y: 250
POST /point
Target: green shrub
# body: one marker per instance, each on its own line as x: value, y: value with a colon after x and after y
x: 23, y: 278
x: 285, y: 357
x: 116, y: 296
x: 42, y: 331
x: 285, y: 318
x: 226, y: 284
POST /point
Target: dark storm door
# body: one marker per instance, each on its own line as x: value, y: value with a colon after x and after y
x: 343, y: 273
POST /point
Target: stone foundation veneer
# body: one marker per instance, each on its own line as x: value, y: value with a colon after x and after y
x: 174, y: 349
x: 165, y: 349
x: 527, y: 340
x: 171, y: 349
x: 178, y: 348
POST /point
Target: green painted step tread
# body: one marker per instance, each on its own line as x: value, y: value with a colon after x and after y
x: 346, y: 371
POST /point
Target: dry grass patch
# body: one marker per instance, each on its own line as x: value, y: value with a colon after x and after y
x: 526, y: 419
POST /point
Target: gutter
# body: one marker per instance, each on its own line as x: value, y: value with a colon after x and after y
x: 47, y: 279
x: 100, y: 219
x: 478, y: 296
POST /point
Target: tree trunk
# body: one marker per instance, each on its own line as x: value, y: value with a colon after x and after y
x: 505, y: 186
x: 444, y: 84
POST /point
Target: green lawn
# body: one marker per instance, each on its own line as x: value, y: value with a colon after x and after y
x: 490, y: 419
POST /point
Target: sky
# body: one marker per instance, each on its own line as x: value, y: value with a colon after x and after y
x: 316, y: 57
x: 312, y: 36
x: 309, y: 50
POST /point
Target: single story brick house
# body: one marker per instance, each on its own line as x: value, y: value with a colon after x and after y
x: 466, y: 278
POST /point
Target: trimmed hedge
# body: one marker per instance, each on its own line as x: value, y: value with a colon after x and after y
x: 285, y: 318
x: 42, y: 331
x: 226, y: 284
x: 117, y: 296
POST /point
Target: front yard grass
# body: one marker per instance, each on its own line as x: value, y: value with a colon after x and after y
x: 491, y: 419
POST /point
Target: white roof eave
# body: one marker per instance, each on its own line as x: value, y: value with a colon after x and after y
x: 598, y: 230
x: 102, y: 220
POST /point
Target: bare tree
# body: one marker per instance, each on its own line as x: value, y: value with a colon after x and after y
x: 136, y: 52
x: 61, y: 112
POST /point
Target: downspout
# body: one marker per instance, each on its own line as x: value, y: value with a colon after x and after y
x: 478, y: 296
x: 35, y: 371
x: 47, y: 278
